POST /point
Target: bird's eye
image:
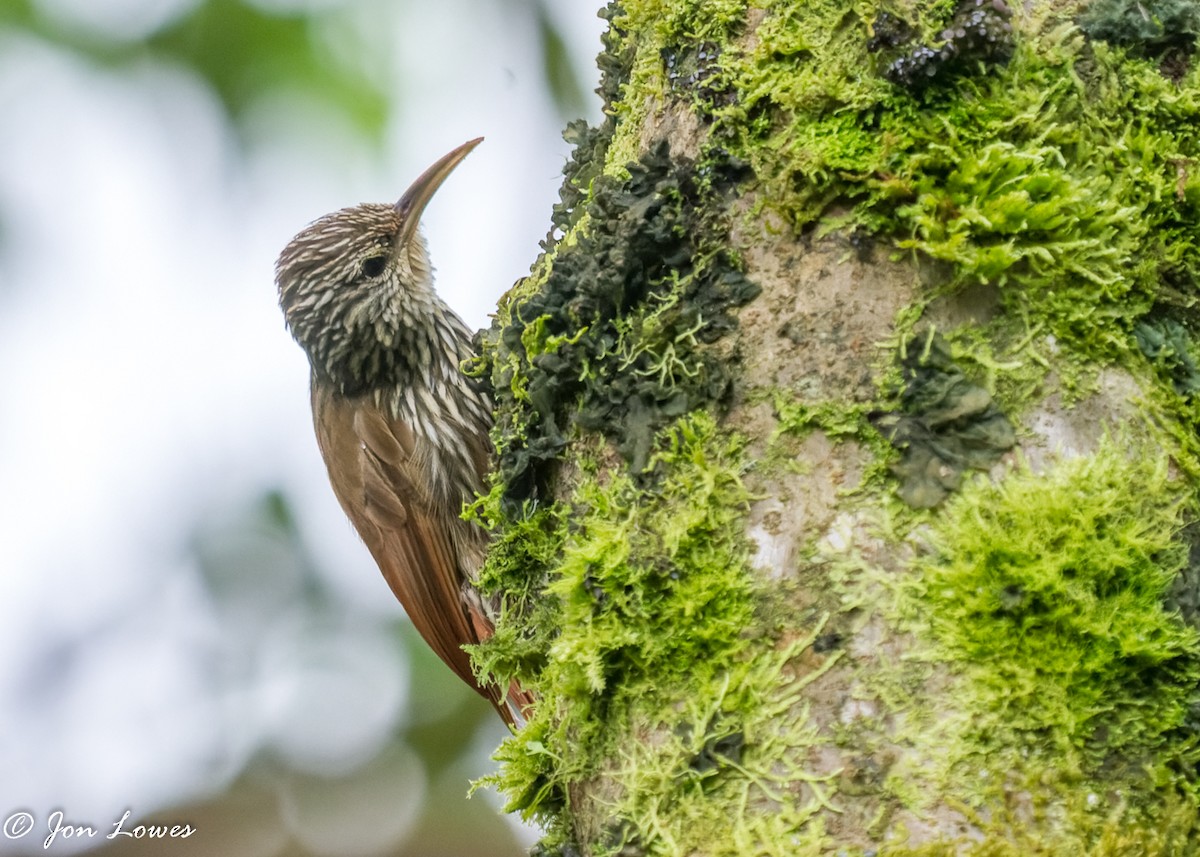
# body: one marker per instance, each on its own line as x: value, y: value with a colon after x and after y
x: 373, y: 266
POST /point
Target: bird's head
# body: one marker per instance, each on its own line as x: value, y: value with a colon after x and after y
x: 356, y: 287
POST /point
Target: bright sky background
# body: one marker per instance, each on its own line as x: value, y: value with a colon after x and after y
x: 148, y: 381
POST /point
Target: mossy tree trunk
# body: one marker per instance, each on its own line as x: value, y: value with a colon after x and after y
x: 847, y: 434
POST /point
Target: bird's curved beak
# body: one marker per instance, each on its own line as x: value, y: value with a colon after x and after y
x: 414, y: 200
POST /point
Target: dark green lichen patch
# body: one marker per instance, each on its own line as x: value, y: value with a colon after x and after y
x: 696, y: 72
x: 613, y: 339
x: 1169, y: 346
x: 979, y: 32
x: 1185, y: 588
x: 1149, y: 27
x: 1048, y: 592
x: 1172, y: 350
x: 1167, y: 340
x: 946, y: 426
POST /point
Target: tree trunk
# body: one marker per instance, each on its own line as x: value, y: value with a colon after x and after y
x: 847, y: 438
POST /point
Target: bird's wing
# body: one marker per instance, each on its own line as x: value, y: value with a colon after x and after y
x: 374, y: 473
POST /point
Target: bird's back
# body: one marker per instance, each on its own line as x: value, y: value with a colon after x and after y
x: 378, y: 467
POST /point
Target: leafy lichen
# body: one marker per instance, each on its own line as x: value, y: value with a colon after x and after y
x: 979, y: 32
x: 1148, y: 26
x: 613, y: 339
x: 946, y: 424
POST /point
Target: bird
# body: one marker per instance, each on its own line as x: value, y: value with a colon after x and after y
x: 404, y: 433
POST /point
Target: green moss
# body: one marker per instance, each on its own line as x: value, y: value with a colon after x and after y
x: 733, y: 776
x: 801, y: 109
x: 671, y: 557
x: 835, y: 420
x: 839, y: 422
x: 1064, y: 178
x: 632, y: 566
x: 998, y: 210
x: 1046, y: 594
x: 667, y: 22
x: 523, y: 552
x: 1064, y: 175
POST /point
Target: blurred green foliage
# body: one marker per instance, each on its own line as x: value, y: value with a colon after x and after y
x: 243, y: 51
x: 246, y: 53
x: 565, y: 87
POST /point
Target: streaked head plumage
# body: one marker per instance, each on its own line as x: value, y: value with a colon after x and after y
x: 356, y: 287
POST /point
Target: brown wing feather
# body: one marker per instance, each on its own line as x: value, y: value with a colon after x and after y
x: 372, y: 468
